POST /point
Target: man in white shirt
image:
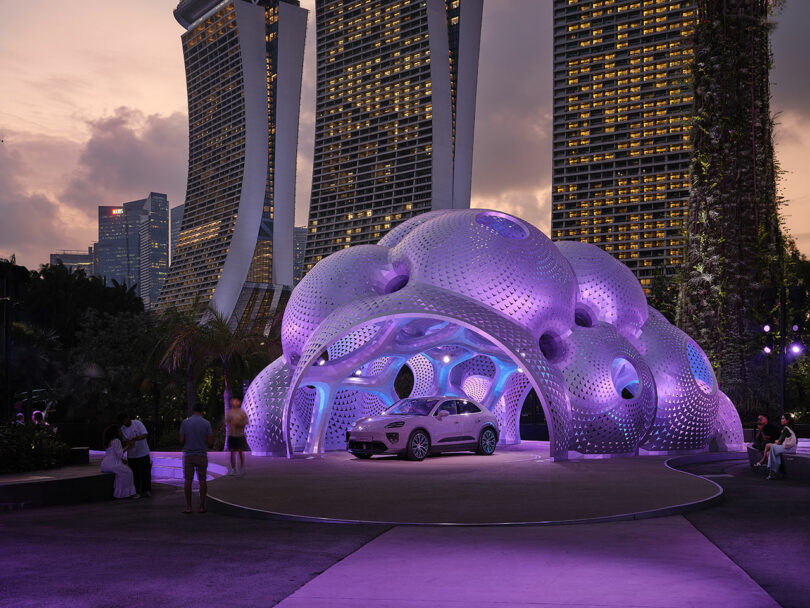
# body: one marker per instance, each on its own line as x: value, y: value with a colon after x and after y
x: 134, y: 434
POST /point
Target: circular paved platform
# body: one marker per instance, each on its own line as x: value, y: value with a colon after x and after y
x: 517, y: 485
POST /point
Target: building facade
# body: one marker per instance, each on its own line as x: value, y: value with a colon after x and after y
x: 153, y: 261
x: 300, y: 244
x: 133, y: 245
x: 75, y: 260
x: 621, y: 138
x: 243, y: 71
x: 395, y: 114
x: 175, y: 221
x: 118, y: 247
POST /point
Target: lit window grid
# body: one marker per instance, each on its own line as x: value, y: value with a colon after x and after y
x: 621, y: 93
x: 373, y: 122
x: 216, y: 156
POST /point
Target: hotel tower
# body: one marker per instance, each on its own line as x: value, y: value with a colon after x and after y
x: 395, y: 113
x: 234, y: 252
x: 621, y: 143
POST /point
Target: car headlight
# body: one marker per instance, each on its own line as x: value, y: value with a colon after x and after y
x: 395, y: 425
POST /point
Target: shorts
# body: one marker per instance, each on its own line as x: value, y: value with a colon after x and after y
x: 237, y: 444
x: 192, y: 462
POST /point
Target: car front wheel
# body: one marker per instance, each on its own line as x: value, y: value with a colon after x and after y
x: 487, y: 442
x: 418, y: 445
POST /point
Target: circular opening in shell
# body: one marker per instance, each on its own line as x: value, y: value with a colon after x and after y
x: 404, y: 382
x: 395, y: 284
x: 551, y: 346
x: 502, y: 225
x: 582, y: 316
x: 701, y: 368
x: 625, y: 378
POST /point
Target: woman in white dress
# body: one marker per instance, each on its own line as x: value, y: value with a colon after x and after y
x: 114, y: 463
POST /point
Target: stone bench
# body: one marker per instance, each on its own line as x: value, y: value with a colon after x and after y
x: 794, y: 466
x: 57, y: 491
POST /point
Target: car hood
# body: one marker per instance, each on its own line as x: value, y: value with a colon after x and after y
x: 375, y: 422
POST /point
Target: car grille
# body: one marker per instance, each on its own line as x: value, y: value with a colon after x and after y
x: 374, y: 447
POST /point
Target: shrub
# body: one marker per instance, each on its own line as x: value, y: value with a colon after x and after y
x: 30, y: 448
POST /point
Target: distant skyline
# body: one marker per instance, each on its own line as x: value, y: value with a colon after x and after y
x: 94, y: 113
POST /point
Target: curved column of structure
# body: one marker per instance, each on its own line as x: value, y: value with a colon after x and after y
x: 264, y: 405
x: 729, y: 434
x: 612, y: 391
x: 687, y: 388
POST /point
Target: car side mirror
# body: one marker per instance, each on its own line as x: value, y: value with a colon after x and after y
x: 443, y: 414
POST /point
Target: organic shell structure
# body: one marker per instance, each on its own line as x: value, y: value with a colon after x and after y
x: 481, y: 304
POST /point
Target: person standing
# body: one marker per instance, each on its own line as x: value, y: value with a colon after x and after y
x: 134, y: 434
x: 237, y: 420
x: 196, y: 436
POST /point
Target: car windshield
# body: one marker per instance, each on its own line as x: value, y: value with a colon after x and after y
x: 412, y: 407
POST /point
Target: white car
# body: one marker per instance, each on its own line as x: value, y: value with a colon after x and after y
x: 418, y: 426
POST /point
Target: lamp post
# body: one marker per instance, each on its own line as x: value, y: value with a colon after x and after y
x: 782, y: 362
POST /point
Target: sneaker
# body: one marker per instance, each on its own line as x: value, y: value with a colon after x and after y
x: 231, y: 471
x: 771, y: 476
x: 135, y: 496
x: 148, y: 494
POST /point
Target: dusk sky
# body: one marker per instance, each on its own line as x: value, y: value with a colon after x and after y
x: 93, y: 112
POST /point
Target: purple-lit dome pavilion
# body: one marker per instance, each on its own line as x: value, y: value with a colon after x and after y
x: 481, y: 304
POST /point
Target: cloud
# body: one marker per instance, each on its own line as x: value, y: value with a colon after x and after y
x: 127, y: 156
x: 512, y: 162
x: 790, y: 84
x: 792, y: 137
x: 31, y: 221
x: 50, y: 187
x: 534, y: 206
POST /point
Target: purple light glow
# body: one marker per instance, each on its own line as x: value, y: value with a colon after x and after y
x: 767, y: 328
x: 480, y: 324
x: 796, y: 349
x: 795, y: 328
x: 767, y: 350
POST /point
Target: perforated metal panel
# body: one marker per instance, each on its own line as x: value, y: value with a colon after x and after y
x: 607, y: 288
x: 424, y: 378
x: 476, y: 387
x: 418, y: 300
x: 686, y: 414
x: 729, y: 432
x: 497, y: 260
x: 339, y: 279
x: 264, y: 404
x: 465, y: 299
x: 612, y: 391
x: 508, y: 408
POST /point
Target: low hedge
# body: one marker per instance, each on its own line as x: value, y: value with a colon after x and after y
x: 30, y: 448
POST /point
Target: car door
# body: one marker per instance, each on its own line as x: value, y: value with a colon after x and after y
x: 447, y: 430
x: 472, y: 419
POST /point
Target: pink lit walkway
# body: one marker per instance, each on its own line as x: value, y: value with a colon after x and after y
x: 661, y: 563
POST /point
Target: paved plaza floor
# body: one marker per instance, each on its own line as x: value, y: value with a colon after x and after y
x: 749, y: 550
x: 518, y: 484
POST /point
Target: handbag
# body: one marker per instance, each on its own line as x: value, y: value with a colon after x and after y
x: 790, y: 440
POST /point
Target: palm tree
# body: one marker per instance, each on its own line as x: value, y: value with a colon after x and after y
x: 231, y: 349
x: 186, y: 350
